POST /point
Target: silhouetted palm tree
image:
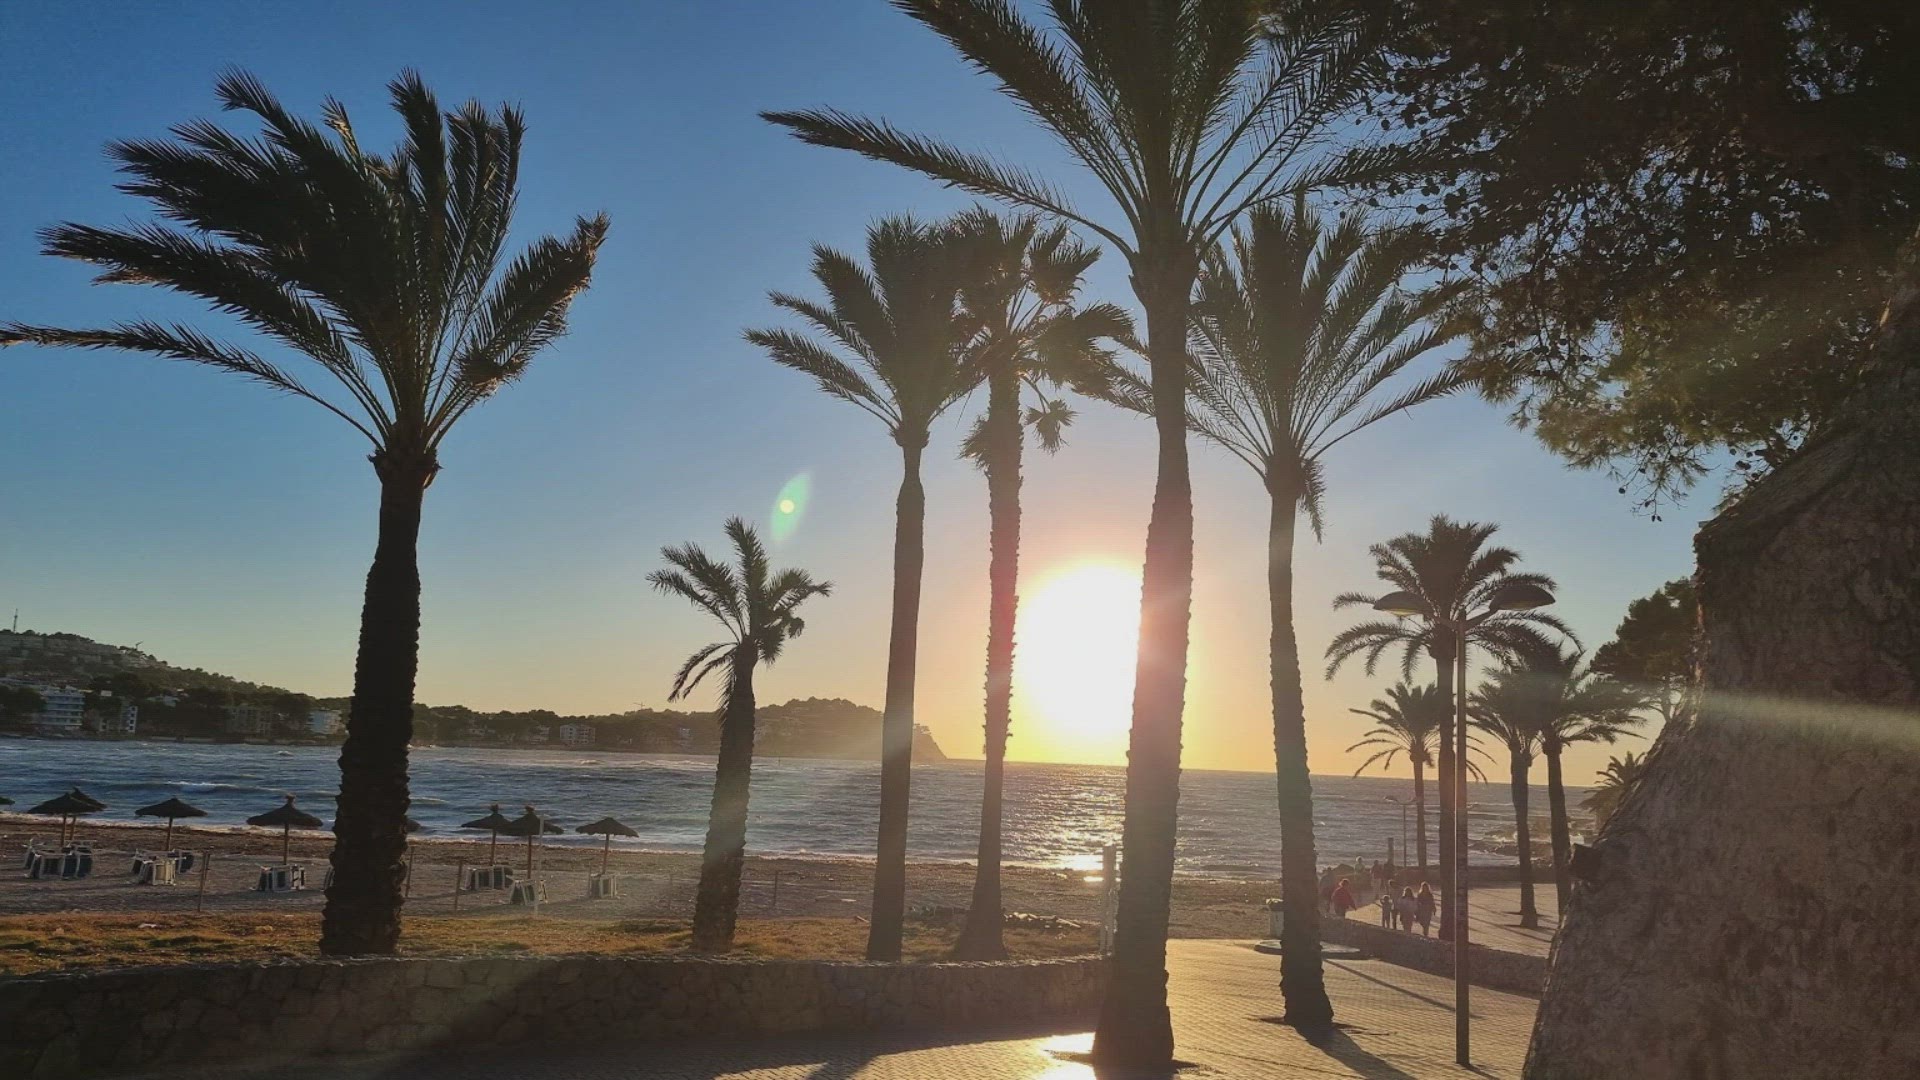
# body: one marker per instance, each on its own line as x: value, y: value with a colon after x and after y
x: 1507, y: 708
x: 1411, y: 719
x: 1020, y: 298
x: 899, y: 351
x: 1573, y: 706
x: 1618, y: 778
x: 389, y: 273
x: 1188, y: 113
x: 1454, y: 575
x: 1302, y: 336
x: 759, y: 609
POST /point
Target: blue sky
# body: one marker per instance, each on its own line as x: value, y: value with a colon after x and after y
x: 229, y: 528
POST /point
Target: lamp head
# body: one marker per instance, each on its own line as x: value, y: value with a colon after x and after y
x: 1402, y: 604
x: 1521, y: 598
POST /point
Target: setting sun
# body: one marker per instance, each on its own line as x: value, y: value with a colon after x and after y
x: 1073, y: 674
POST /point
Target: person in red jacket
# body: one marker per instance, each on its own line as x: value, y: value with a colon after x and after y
x: 1343, y: 901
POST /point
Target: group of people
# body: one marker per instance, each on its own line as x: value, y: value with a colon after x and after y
x: 1404, y: 912
x: 1408, y: 908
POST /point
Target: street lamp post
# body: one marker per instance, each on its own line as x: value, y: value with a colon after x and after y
x: 1520, y: 597
x: 1404, y: 805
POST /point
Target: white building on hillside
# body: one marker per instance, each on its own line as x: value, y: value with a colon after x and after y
x: 323, y: 722
x: 117, y: 718
x: 65, y: 710
x: 576, y: 734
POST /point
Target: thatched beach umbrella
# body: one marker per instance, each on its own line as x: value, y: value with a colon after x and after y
x: 496, y: 823
x: 68, y: 808
x: 4, y: 801
x: 610, y: 828
x: 286, y: 817
x: 172, y: 808
x: 530, y: 825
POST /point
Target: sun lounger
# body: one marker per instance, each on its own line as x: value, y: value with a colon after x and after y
x: 489, y: 877
x: 155, y: 870
x: 279, y: 879
x: 603, y: 887
x: 528, y: 892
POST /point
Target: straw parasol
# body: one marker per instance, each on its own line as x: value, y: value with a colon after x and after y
x: 68, y: 808
x: 172, y: 808
x: 610, y: 828
x: 530, y: 825
x: 496, y: 823
x: 286, y: 817
x: 4, y: 801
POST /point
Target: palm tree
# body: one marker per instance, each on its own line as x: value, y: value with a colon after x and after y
x: 1506, y: 708
x: 1574, y: 706
x: 1411, y: 719
x: 387, y: 272
x: 1301, y: 337
x: 903, y: 359
x: 759, y: 609
x: 1452, y: 573
x: 1187, y: 113
x: 1020, y: 296
x: 1618, y: 778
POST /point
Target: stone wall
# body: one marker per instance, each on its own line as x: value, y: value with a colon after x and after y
x: 83, y: 1024
x: 1496, y: 969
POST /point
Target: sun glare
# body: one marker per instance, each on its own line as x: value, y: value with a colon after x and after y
x: 1073, y: 667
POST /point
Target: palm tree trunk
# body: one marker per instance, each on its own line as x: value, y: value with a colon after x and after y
x: 1135, y: 1030
x: 1420, y: 809
x: 981, y: 938
x: 896, y: 728
x: 1562, y: 835
x: 1302, y: 983
x: 1788, y: 797
x: 362, y: 913
x: 1443, y: 678
x: 716, y: 907
x: 1529, y: 913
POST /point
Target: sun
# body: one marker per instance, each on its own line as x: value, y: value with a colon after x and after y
x: 1073, y: 663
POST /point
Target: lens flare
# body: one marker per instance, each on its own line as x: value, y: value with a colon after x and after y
x: 789, y: 506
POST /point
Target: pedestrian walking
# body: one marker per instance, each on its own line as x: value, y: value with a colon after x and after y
x: 1423, y: 909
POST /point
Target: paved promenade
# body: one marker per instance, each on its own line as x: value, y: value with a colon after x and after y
x: 1397, y: 1025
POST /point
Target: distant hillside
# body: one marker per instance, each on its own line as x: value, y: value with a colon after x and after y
x: 190, y: 702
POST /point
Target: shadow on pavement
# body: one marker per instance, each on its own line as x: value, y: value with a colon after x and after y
x: 824, y: 1056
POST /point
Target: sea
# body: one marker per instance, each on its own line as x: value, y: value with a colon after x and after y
x: 1057, y: 816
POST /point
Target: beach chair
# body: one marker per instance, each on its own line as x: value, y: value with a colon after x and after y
x: 279, y: 879
x: 528, y: 892
x: 155, y: 871
x: 76, y: 863
x: 489, y: 877
x: 603, y: 887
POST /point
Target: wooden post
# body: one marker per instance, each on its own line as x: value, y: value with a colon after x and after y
x: 459, y: 879
x: 206, y: 863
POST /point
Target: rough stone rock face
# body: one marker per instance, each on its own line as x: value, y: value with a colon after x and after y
x: 1750, y: 909
x: 94, y: 1024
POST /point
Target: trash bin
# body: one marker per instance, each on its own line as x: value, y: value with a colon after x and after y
x: 1276, y: 918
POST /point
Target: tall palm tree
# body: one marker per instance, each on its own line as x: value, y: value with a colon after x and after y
x: 902, y: 357
x: 1618, y: 778
x: 1301, y: 336
x: 1454, y: 575
x: 1507, y: 708
x: 1574, y: 706
x: 1187, y: 113
x: 759, y: 608
x: 388, y: 272
x: 1020, y: 297
x: 1411, y: 719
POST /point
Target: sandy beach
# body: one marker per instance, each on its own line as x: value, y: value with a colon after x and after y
x: 653, y: 884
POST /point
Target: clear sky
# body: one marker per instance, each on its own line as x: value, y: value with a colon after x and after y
x: 225, y: 527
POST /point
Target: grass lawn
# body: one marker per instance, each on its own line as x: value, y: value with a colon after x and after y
x: 38, y: 943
